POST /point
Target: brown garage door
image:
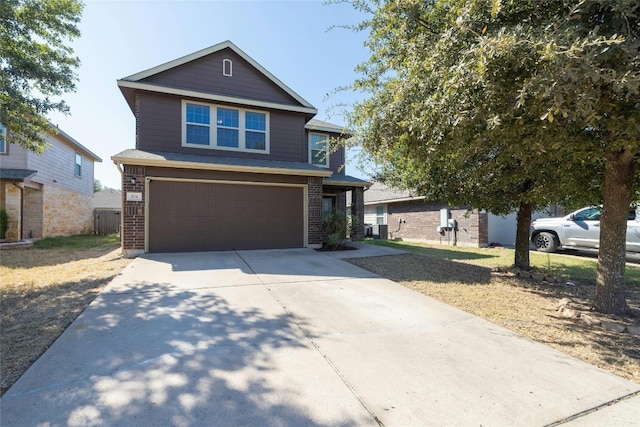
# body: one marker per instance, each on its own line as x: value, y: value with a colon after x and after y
x: 191, y: 216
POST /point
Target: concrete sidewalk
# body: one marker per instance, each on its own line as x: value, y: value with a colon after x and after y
x: 298, y: 338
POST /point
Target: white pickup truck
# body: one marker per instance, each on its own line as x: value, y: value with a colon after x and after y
x: 580, y: 229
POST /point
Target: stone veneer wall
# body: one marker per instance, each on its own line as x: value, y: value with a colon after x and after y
x: 32, y: 215
x: 315, y: 211
x: 65, y: 212
x: 10, y: 201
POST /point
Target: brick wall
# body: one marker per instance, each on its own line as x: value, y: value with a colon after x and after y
x: 315, y: 211
x: 357, y: 210
x: 133, y: 220
x: 422, y: 219
x: 65, y: 212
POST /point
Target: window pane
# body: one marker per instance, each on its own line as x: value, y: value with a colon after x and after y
x: 3, y: 139
x: 198, y: 114
x: 255, y: 140
x: 228, y: 118
x: 255, y: 121
x: 319, y: 142
x: 197, y: 135
x: 78, y: 164
x: 318, y: 157
x: 227, y: 138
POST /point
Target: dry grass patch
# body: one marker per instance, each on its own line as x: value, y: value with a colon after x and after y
x: 41, y: 292
x: 523, y: 306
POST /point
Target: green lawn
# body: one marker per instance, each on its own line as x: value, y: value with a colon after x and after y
x: 576, y: 268
x: 80, y: 241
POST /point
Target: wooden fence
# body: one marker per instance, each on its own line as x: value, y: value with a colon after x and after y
x: 106, y: 221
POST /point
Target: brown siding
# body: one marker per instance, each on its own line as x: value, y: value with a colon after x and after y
x: 204, y: 217
x: 205, y: 75
x: 336, y: 161
x: 160, y: 129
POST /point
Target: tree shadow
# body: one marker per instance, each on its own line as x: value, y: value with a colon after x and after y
x: 413, y: 267
x: 444, y: 254
x: 159, y: 355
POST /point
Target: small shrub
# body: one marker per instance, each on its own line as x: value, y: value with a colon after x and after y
x: 335, y: 228
x: 4, y: 223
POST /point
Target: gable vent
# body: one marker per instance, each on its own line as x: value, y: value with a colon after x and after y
x: 227, y: 67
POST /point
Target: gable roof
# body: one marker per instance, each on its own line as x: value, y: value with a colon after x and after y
x: 321, y: 126
x: 56, y: 131
x: 107, y: 199
x: 380, y: 193
x: 135, y: 81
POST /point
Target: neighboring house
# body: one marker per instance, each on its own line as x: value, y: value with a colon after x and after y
x: 227, y: 157
x: 422, y: 220
x: 48, y: 194
x: 108, y: 199
x: 412, y: 218
x: 107, y: 208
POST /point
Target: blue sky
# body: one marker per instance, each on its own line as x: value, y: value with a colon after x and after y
x: 291, y: 39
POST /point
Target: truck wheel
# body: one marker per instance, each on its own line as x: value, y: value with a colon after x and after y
x: 546, y: 242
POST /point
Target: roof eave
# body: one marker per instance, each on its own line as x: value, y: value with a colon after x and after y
x: 118, y: 160
x: 126, y: 85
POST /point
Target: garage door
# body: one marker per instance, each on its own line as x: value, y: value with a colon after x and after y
x: 195, y: 216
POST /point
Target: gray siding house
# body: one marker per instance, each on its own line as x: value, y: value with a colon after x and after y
x: 48, y: 194
x: 227, y: 157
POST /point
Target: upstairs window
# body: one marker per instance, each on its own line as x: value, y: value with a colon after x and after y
x: 224, y: 128
x: 3, y: 139
x: 197, y: 124
x: 78, y: 164
x: 319, y: 149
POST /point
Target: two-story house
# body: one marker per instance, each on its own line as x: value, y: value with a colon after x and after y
x: 48, y: 194
x: 227, y: 157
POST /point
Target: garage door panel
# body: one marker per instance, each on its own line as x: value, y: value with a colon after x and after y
x: 191, y: 216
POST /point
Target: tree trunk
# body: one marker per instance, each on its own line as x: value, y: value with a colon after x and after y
x: 618, y: 183
x: 521, y: 257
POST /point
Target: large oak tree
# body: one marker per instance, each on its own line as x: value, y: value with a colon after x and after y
x: 36, y: 65
x: 507, y: 105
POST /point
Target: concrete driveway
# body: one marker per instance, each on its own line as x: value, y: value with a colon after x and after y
x: 298, y: 338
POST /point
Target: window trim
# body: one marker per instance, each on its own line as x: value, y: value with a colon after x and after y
x: 78, y: 166
x: 213, y: 128
x: 327, y: 150
x: 227, y: 67
x: 3, y: 134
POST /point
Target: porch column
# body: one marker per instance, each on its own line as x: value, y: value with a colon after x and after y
x: 315, y: 212
x: 357, y: 210
x: 133, y: 217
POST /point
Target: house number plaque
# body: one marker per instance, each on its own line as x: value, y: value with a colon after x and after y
x: 134, y: 197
